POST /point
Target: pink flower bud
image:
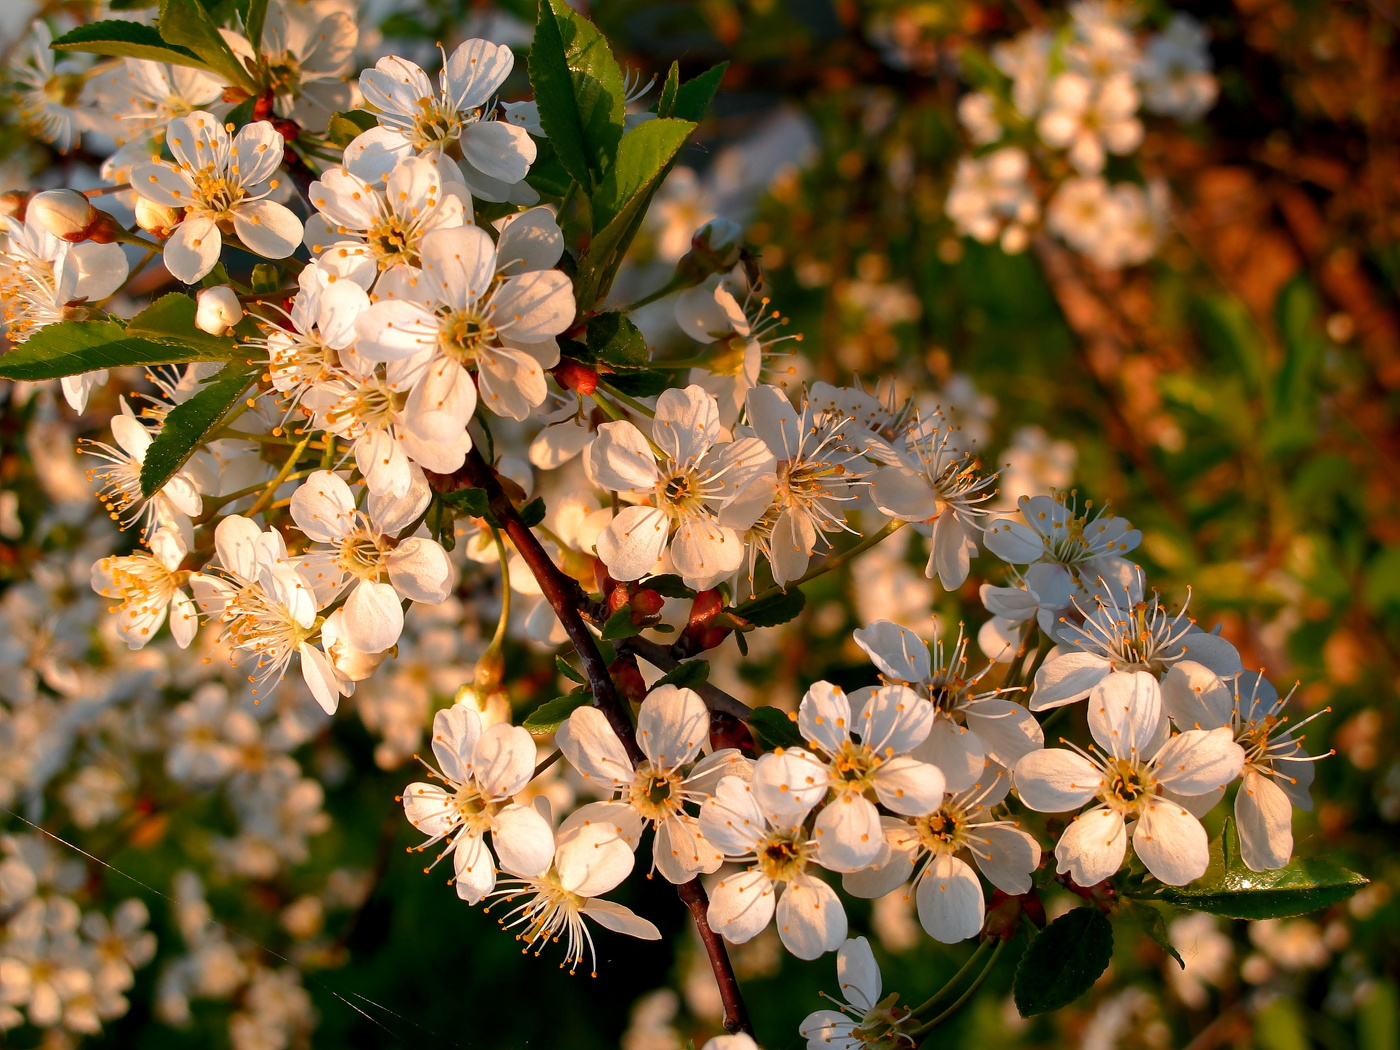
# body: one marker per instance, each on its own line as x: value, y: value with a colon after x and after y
x: 64, y: 213
x: 218, y: 310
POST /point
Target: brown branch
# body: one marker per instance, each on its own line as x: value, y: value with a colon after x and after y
x: 662, y: 656
x: 566, y: 598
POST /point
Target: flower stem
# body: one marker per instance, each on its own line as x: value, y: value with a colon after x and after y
x: 500, y: 635
x: 962, y: 1000
x: 628, y: 400
x: 946, y: 992
x: 282, y: 475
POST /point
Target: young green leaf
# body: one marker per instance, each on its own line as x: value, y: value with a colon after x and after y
x: 532, y: 513
x: 668, y: 585
x: 1063, y: 961
x: 170, y: 319
x: 1231, y: 889
x: 470, y: 502
x: 579, y: 90
x: 693, y: 98
x: 188, y: 24
x: 620, y: 625
x: 345, y: 127
x: 616, y: 341
x: 190, y: 423
x: 773, y: 610
x: 70, y: 348
x: 774, y: 728
x: 1155, y: 927
x: 121, y: 39
x: 686, y: 675
x: 551, y: 714
x: 644, y: 156
x: 569, y: 671
x: 254, y: 14
x: 666, y: 101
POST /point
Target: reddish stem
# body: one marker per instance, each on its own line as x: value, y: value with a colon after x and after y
x: 566, y: 598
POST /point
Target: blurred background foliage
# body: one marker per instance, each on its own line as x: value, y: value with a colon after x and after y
x: 1236, y: 398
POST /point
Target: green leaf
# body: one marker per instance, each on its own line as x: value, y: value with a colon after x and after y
x: 1063, y: 961
x: 621, y: 201
x: 189, y: 424
x: 694, y: 96
x: 345, y: 127
x: 254, y: 14
x: 551, y: 714
x: 532, y: 513
x: 620, y: 625
x: 1229, y: 888
x: 579, y: 90
x: 643, y: 157
x: 645, y: 383
x: 666, y: 102
x: 470, y: 502
x: 774, y: 728
x: 1155, y: 927
x: 170, y: 319
x: 668, y: 586
x: 774, y: 609
x: 122, y: 39
x: 72, y: 347
x: 569, y: 671
x: 188, y: 24
x: 615, y: 340
x: 686, y: 676
x: 547, y: 176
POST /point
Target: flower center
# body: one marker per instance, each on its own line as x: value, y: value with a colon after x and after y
x: 216, y: 192
x: 783, y: 855
x: 656, y: 794
x: 361, y: 554
x: 389, y: 240
x: 942, y: 832
x: 1126, y: 786
x: 465, y: 334
x: 473, y: 809
x: 853, y: 768
x: 435, y: 126
x: 681, y: 493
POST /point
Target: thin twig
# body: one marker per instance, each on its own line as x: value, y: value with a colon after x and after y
x: 661, y: 656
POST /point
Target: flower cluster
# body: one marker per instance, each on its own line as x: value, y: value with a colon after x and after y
x: 1063, y: 104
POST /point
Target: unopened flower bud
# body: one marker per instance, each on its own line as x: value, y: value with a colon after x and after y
x: 66, y: 214
x: 646, y: 604
x: 576, y: 376
x: 156, y: 219
x: 218, y: 310
x: 490, y: 670
x: 716, y: 248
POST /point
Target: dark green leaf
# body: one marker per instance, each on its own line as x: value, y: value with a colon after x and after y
x: 620, y: 625
x: 644, y: 383
x: 190, y: 423
x: 616, y: 341
x: 130, y: 5
x: 126, y: 40
x: 532, y: 513
x: 774, y: 609
x: 579, y: 90
x: 344, y: 128
x: 1063, y: 961
x: 72, y: 347
x: 685, y: 676
x: 188, y: 24
x: 694, y: 97
x: 774, y: 728
x: 668, y: 586
x: 548, y: 176
x: 170, y: 319
x: 666, y: 102
x: 569, y: 671
x: 1155, y: 927
x: 265, y: 279
x: 551, y: 714
x: 1229, y: 888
